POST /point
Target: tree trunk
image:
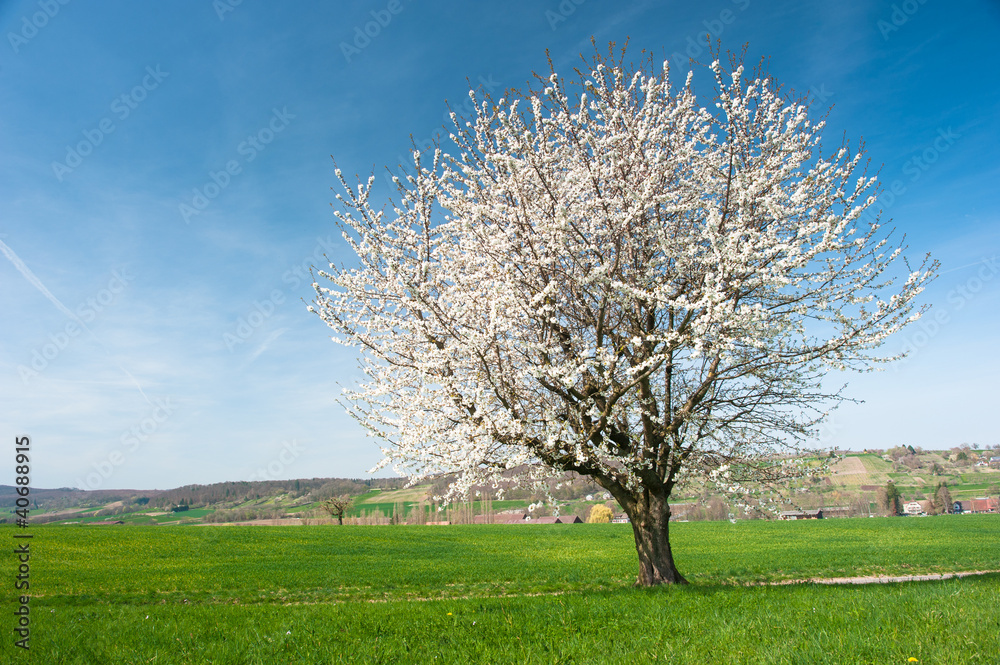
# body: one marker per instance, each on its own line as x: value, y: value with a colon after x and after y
x: 650, y: 519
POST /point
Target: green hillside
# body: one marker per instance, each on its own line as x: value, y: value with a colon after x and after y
x: 854, y: 484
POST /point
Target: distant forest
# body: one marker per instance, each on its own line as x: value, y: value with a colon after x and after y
x: 194, y: 496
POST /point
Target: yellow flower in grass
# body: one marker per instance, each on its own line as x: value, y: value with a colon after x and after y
x: 911, y: 659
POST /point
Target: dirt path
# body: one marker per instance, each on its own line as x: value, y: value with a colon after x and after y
x: 848, y: 466
x: 880, y: 580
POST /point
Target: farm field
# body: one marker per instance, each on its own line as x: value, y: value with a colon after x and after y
x: 498, y: 594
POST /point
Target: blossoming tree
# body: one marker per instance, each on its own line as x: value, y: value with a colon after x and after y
x: 608, y: 278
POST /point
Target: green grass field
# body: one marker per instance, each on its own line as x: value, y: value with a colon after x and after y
x: 506, y: 594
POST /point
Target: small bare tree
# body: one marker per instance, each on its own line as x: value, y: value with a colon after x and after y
x: 942, y: 499
x: 337, y: 506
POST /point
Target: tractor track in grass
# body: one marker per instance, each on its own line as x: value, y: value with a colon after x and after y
x: 876, y: 579
x: 508, y: 595
x: 512, y: 594
x: 829, y: 581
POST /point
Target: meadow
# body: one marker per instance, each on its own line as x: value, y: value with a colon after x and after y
x: 507, y: 594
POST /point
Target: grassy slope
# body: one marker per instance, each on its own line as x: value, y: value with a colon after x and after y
x: 409, y: 494
x: 267, y: 595
x: 962, y: 484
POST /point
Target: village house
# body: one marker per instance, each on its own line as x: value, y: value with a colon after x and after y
x: 679, y: 511
x: 506, y: 518
x: 836, y: 511
x: 524, y: 518
x: 980, y: 505
x: 816, y: 514
x: 545, y: 519
x: 983, y: 505
x: 552, y: 519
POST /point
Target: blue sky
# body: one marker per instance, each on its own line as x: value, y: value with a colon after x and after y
x: 165, y: 185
